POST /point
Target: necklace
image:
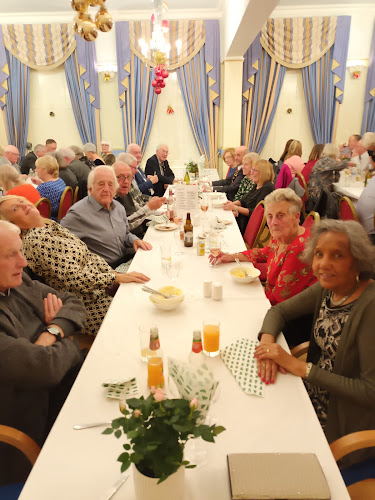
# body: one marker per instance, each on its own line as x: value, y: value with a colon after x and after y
x: 339, y: 302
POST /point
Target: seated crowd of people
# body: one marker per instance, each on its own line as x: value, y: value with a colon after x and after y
x: 319, y: 282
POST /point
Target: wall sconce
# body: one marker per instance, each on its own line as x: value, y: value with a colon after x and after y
x: 355, y: 67
x: 107, y: 71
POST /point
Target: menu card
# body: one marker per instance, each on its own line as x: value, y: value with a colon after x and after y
x: 186, y: 197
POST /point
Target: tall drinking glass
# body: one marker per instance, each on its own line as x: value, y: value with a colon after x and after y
x: 214, y: 246
x: 211, y: 337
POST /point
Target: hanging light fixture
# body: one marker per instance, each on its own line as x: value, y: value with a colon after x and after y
x: 159, y: 46
x: 84, y: 26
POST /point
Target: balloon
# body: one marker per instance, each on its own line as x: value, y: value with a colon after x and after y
x: 79, y: 5
x: 103, y: 20
x: 159, y: 78
x: 164, y: 73
x: 94, y: 3
x: 89, y: 31
x: 157, y: 71
x: 154, y: 83
x: 77, y: 26
x: 165, y: 26
x: 157, y: 90
x: 162, y: 84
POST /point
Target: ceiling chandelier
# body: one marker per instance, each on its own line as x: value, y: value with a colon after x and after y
x: 159, y: 46
x: 83, y: 23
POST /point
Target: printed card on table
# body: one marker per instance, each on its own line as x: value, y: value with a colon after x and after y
x: 186, y: 198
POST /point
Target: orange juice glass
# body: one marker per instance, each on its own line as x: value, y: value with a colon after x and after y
x: 155, y: 372
x: 211, y: 338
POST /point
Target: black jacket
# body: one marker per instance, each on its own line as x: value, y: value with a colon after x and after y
x: 152, y: 167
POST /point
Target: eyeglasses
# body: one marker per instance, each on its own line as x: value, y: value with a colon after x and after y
x: 121, y: 178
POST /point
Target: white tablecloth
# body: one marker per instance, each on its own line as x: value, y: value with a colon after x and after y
x: 81, y: 465
x: 353, y: 191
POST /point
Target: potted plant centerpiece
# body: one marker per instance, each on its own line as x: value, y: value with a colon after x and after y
x: 192, y: 167
x: 157, y: 430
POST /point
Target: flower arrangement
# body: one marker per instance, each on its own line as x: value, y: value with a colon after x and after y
x: 158, y: 429
x: 192, y: 167
x: 170, y: 110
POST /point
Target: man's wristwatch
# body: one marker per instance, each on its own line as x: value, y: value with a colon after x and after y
x: 54, y: 331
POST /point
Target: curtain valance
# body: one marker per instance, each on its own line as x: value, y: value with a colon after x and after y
x: 298, y: 42
x: 190, y: 33
x: 40, y: 46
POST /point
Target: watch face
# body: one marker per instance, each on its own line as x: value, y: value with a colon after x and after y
x: 54, y: 331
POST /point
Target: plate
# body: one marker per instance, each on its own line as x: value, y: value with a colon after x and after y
x: 163, y: 227
x: 225, y: 222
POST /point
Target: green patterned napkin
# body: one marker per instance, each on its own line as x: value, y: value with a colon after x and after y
x: 120, y: 389
x: 193, y: 382
x: 157, y: 219
x: 239, y: 358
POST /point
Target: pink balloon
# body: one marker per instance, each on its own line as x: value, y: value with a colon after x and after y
x: 157, y: 90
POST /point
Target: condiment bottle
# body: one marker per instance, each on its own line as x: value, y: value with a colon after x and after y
x: 196, y: 356
x: 188, y: 232
x: 155, y: 361
x: 170, y: 205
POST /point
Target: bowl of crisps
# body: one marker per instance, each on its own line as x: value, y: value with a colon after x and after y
x: 172, y: 302
x: 238, y: 274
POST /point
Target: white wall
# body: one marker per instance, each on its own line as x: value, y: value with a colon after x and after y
x: 296, y: 124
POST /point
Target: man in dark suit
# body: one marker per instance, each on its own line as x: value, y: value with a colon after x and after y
x: 30, y: 159
x: 158, y: 165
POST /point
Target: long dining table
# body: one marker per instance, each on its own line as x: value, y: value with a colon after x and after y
x: 82, y: 464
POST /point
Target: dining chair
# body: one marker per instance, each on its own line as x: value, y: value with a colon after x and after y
x: 66, y: 201
x: 346, y: 209
x: 44, y: 207
x: 76, y: 195
x: 27, y: 446
x: 368, y: 177
x: 300, y: 350
x: 302, y: 182
x: 359, y: 478
x: 256, y: 233
x: 310, y: 220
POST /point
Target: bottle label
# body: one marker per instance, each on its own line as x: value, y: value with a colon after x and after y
x: 154, y: 344
x: 197, y: 346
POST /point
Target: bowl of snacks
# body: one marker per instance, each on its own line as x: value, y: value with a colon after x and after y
x: 238, y: 274
x: 175, y: 297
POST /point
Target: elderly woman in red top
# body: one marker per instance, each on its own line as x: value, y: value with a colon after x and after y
x: 287, y: 275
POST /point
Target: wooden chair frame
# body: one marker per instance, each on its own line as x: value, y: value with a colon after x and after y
x: 300, y: 349
x: 21, y: 441
x: 75, y: 195
x: 351, y: 206
x: 44, y: 200
x: 314, y: 215
x: 61, y: 204
x: 304, y: 184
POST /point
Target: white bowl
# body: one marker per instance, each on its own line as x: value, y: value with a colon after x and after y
x: 167, y: 304
x: 253, y: 274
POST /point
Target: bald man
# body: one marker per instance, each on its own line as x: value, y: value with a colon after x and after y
x: 11, y: 157
x: 230, y: 185
x: 158, y: 165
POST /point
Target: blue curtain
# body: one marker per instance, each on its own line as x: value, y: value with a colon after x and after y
x: 17, y: 103
x: 368, y: 121
x: 263, y: 78
x: 320, y: 98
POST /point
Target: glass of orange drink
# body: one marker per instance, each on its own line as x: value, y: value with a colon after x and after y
x: 144, y: 338
x: 211, y: 337
x: 155, y: 371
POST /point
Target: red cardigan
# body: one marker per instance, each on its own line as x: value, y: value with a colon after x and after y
x: 287, y: 275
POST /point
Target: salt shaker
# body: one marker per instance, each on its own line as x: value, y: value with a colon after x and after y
x: 217, y: 291
x: 207, y: 288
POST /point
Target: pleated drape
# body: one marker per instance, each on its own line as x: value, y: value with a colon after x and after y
x: 368, y: 121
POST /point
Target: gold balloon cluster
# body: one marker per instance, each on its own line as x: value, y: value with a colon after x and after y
x: 84, y: 25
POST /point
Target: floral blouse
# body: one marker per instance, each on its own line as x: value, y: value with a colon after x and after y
x: 287, y: 275
x: 245, y: 187
x: 66, y: 264
x: 322, y: 175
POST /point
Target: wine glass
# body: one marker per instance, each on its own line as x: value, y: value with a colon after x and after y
x: 204, y: 203
x: 214, y: 246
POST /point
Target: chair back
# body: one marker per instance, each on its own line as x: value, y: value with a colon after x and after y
x: 44, y: 207
x: 346, y: 209
x: 21, y: 441
x: 76, y: 195
x: 310, y: 220
x: 367, y: 177
x: 302, y: 183
x: 255, y: 227
x: 66, y: 202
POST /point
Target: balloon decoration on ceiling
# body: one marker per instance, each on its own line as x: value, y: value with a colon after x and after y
x: 159, y: 46
x: 83, y: 22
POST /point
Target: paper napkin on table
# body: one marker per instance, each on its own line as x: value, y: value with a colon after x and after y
x: 121, y: 388
x: 157, y: 219
x: 193, y: 382
x: 239, y: 358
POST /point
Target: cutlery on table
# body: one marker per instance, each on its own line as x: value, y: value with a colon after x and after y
x: 78, y: 427
x: 151, y: 290
x: 243, y: 269
x: 112, y: 490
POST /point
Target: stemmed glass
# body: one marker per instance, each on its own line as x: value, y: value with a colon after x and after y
x: 204, y: 203
x: 214, y: 246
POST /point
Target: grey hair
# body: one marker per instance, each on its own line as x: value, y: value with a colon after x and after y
x: 39, y: 147
x: 284, y: 194
x: 91, y: 176
x: 107, y: 143
x: 253, y: 157
x: 159, y: 146
x: 4, y: 224
x: 360, y: 246
x: 130, y: 147
x: 77, y: 151
x: 9, y: 177
x: 127, y: 158
x: 67, y: 153
x: 368, y: 139
x: 59, y: 158
x: 330, y: 150
x: 89, y: 147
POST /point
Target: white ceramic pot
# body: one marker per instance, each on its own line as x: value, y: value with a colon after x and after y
x: 146, y: 488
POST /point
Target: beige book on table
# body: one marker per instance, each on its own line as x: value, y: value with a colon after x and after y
x: 277, y: 476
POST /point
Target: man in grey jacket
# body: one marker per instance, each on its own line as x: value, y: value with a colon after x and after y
x: 39, y: 357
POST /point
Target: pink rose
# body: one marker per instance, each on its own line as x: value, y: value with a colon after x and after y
x: 137, y: 413
x: 159, y: 395
x: 194, y: 403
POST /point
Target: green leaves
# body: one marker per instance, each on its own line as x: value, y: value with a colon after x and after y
x: 157, y: 434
